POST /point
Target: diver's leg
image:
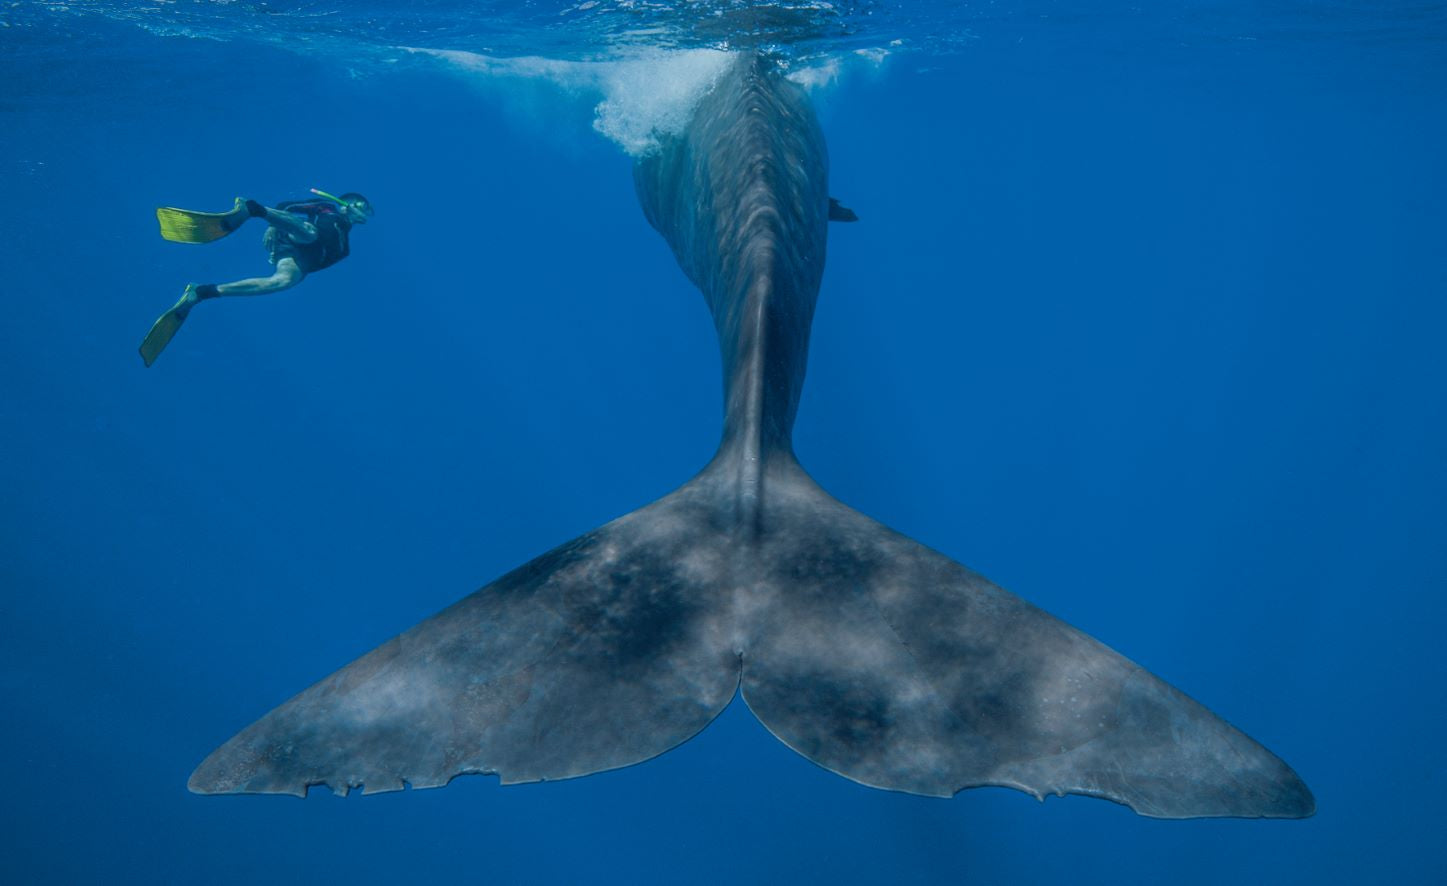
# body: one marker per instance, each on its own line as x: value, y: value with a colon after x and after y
x: 287, y: 275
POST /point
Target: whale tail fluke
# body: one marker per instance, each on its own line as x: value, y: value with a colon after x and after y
x: 861, y: 649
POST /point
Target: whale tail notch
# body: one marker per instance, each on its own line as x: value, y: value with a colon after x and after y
x: 864, y: 651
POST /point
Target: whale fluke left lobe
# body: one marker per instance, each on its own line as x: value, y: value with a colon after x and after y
x: 601, y: 653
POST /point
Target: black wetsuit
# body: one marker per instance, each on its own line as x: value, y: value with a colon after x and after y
x: 330, y: 246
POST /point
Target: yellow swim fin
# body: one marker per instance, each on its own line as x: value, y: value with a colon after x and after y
x: 166, y: 326
x: 186, y: 226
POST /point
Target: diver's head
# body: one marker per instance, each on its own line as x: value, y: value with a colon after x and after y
x: 357, y: 208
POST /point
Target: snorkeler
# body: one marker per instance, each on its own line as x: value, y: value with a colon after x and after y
x: 304, y: 236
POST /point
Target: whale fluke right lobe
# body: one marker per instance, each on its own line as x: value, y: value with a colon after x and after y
x: 893, y: 665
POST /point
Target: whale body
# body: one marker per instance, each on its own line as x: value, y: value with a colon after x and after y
x: 864, y: 651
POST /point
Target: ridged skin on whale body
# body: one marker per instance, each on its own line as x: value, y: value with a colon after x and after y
x: 864, y: 651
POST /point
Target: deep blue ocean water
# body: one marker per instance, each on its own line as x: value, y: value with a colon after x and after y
x: 1144, y: 320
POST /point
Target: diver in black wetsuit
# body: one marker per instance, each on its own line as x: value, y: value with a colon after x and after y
x: 304, y: 236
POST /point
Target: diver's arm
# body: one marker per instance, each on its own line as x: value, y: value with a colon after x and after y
x: 295, y: 227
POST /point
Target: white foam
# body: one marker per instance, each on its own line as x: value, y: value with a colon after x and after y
x: 641, y: 99
x: 825, y: 71
x: 817, y: 74
x: 645, y: 99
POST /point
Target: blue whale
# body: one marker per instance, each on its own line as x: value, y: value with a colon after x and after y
x: 861, y: 649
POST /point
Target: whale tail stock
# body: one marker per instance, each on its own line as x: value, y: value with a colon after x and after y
x: 868, y: 653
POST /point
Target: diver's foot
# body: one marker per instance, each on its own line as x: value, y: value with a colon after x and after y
x: 188, y: 300
x: 238, y: 214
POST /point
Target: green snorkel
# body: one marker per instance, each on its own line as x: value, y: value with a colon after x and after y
x: 359, y: 203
